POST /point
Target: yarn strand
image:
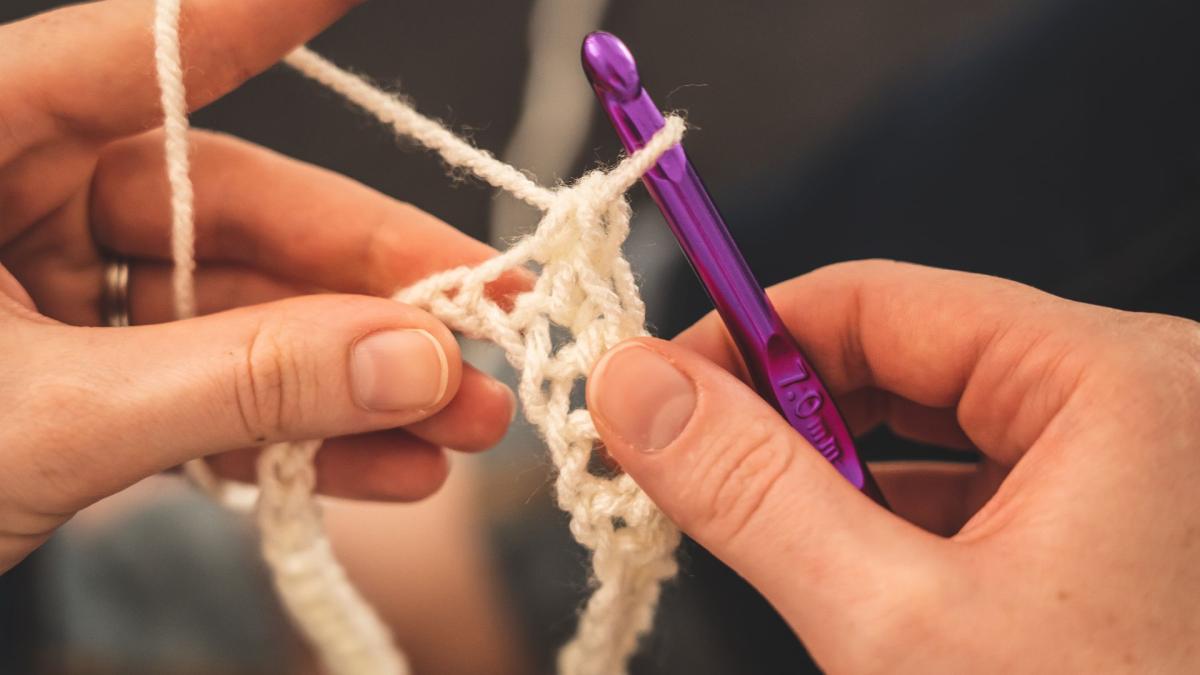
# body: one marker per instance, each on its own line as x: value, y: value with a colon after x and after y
x: 168, y: 63
x: 408, y: 122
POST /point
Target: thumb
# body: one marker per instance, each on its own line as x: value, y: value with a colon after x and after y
x: 302, y: 368
x: 731, y: 473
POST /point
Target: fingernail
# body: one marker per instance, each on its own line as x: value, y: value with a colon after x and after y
x: 395, y: 370
x: 642, y: 397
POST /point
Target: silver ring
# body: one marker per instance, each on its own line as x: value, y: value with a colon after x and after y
x: 114, y: 293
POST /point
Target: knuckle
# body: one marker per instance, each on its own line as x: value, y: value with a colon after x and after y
x: 1176, y: 332
x: 854, y: 275
x: 269, y: 383
x: 858, y: 267
x: 1168, y: 355
x: 743, y: 465
x: 1152, y: 350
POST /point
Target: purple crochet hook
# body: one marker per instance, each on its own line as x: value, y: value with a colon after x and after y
x: 780, y: 372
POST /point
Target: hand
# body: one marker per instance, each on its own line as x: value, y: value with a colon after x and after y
x: 85, y: 412
x: 1082, y: 521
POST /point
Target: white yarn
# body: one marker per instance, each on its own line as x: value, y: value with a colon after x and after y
x: 585, y: 287
x: 168, y: 64
x: 344, y: 631
x: 408, y: 122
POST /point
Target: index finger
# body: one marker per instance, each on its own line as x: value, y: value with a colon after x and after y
x: 294, y: 221
x: 1004, y: 356
x: 90, y: 68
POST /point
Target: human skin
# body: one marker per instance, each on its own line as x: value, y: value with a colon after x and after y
x: 87, y: 411
x: 1073, y: 546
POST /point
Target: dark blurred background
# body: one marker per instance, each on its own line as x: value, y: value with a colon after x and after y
x: 1054, y: 142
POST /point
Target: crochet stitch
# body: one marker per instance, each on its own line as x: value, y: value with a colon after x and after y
x: 584, y: 289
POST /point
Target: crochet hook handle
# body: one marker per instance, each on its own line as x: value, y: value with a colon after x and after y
x: 779, y: 370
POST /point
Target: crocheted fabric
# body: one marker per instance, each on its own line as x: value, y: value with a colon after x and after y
x: 584, y: 290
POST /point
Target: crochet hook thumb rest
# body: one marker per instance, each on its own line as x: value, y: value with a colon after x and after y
x: 781, y: 373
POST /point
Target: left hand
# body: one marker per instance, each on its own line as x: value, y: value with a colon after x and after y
x: 86, y: 411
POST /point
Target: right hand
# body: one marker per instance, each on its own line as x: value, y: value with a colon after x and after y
x: 1081, y: 545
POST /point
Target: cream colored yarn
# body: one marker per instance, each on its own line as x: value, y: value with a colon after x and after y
x: 585, y: 290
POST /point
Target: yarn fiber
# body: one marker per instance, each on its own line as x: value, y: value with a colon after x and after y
x: 584, y: 301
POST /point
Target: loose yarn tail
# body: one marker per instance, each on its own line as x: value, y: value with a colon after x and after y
x: 343, y: 629
x: 311, y: 583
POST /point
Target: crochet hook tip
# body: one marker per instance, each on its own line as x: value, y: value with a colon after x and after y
x: 610, y: 66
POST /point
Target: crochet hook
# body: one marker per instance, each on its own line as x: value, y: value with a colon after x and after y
x: 780, y: 372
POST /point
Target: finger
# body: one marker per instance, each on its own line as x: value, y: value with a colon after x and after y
x: 729, y: 471
x: 1003, y: 355
x: 89, y: 68
x: 389, y: 465
x: 145, y: 398
x: 932, y: 495
x: 282, y: 217
x: 474, y: 420
x: 218, y: 288
x: 865, y: 409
